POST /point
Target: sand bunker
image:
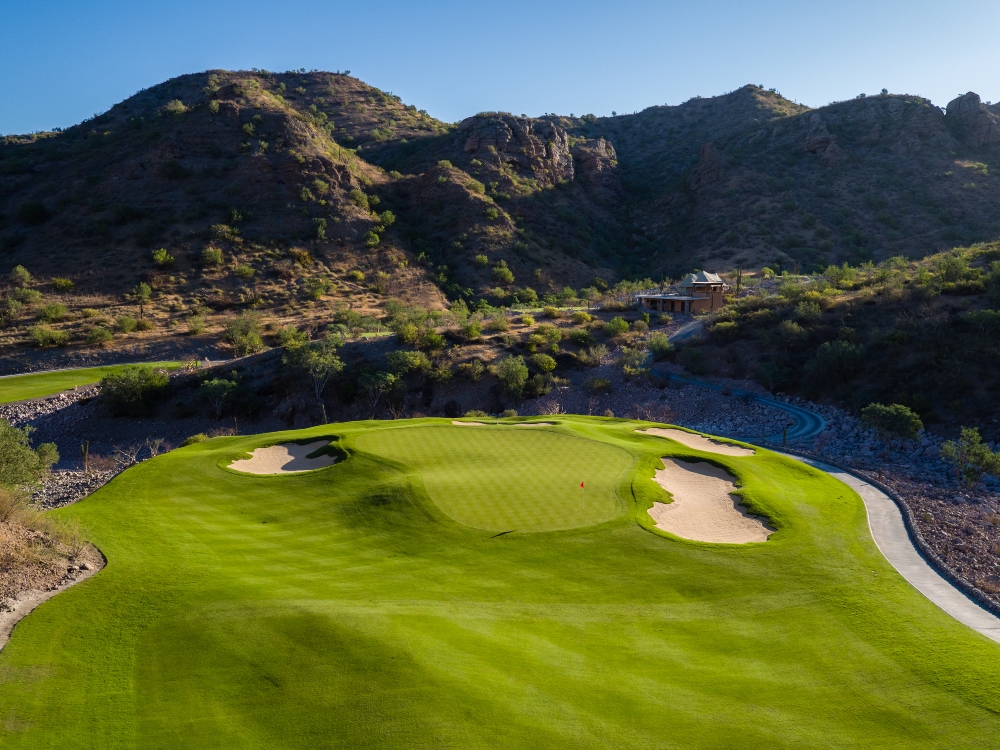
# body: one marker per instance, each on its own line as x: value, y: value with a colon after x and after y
x: 286, y: 458
x: 500, y: 424
x: 703, y: 508
x: 698, y: 442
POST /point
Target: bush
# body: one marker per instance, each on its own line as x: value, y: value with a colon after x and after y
x: 835, y: 362
x: 244, y: 271
x: 665, y: 319
x: 615, y: 327
x: 526, y: 296
x: 27, y: 296
x: 481, y: 261
x: 201, y: 437
x: 472, y: 330
x: 475, y: 413
x: 542, y: 362
x: 52, y: 313
x: 593, y: 356
x: 125, y: 323
x: 162, y: 258
x: 243, y: 332
x: 144, y: 324
x: 359, y: 199
x: 580, y: 317
x: 356, y: 276
x: 134, y: 390
x: 970, y: 457
x: 640, y: 326
x: 196, y: 325
x: 550, y: 312
x: 211, y: 257
x: 502, y: 274
x: 498, y: 322
x: 582, y: 337
x: 20, y: 465
x: 61, y: 284
x: 99, y: 336
x: 634, y: 361
x: 725, y: 330
x: 472, y: 370
x: 403, y: 362
x: 892, y: 422
x: 43, y: 336
x: 512, y: 374
x: 808, y: 312
x: 537, y: 385
x: 20, y: 277
x: 526, y: 320
x: 658, y: 344
x: 597, y: 386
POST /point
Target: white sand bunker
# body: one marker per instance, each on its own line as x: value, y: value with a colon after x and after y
x: 501, y: 424
x: 703, y: 508
x: 286, y: 458
x: 698, y: 442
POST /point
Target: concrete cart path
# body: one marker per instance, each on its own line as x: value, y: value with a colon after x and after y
x: 886, y: 523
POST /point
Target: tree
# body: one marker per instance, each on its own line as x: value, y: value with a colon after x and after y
x: 502, y: 274
x: 319, y: 361
x: 895, y: 422
x: 971, y: 457
x: 377, y: 383
x: 243, y: 332
x: 219, y: 392
x: 141, y: 296
x: 134, y: 390
x: 512, y: 374
x: 634, y: 361
x: 20, y: 465
x: 658, y: 344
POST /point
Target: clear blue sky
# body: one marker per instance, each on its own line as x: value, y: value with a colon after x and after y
x: 63, y: 61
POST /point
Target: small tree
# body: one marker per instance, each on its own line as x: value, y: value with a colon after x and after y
x: 895, y: 422
x: 133, y: 390
x: 543, y: 362
x: 512, y: 374
x: 376, y: 384
x: 243, y: 332
x: 20, y: 277
x: 141, y: 296
x: 319, y: 361
x: 658, y: 344
x: 502, y: 274
x: 971, y: 457
x: 634, y: 361
x: 20, y: 465
x: 219, y: 392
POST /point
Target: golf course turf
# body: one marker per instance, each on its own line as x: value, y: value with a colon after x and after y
x: 378, y: 603
x: 36, y: 385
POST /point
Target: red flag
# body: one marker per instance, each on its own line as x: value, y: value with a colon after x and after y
x: 581, y: 485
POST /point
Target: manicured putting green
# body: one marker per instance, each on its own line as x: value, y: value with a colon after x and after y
x: 486, y: 478
x: 36, y: 385
x: 341, y: 608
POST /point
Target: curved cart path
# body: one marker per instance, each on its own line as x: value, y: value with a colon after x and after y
x: 886, y: 523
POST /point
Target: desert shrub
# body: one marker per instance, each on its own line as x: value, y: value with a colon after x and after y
x: 580, y: 317
x: 492, y: 213
x: 725, y: 330
x: 201, y: 437
x: 61, y: 284
x: 634, y: 361
x: 134, y: 390
x: 43, y: 336
x: 317, y: 286
x: 615, y: 327
x: 359, y: 199
x: 640, y: 326
x: 512, y: 373
x: 52, y: 313
x: 403, y: 362
x: 10, y: 310
x: 542, y: 362
x: 244, y: 271
x: 895, y: 422
x: 526, y: 296
x: 218, y: 392
x: 472, y: 370
x: 174, y: 107
x: 526, y: 320
x: 21, y: 466
x: 196, y: 324
x: 125, y: 323
x: 371, y: 238
x: 27, y: 296
x: 356, y: 276
x: 20, y: 277
x: 98, y: 336
x: 658, y: 344
x: 144, y: 324
x: 475, y: 413
x: 597, y: 386
x: 481, y: 261
x: 550, y: 312
x: 592, y: 356
x: 808, y: 312
x: 502, y: 274
x: 13, y: 503
x: 498, y: 322
x: 472, y: 330
x: 211, y: 256
x: 537, y: 385
x: 291, y: 337
x: 162, y: 258
x: 834, y: 363
x: 582, y: 337
x: 243, y: 333
x: 971, y: 457
x: 665, y: 319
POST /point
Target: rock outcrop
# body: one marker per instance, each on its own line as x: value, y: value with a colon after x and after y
x: 538, y: 146
x: 972, y: 121
x: 596, y: 165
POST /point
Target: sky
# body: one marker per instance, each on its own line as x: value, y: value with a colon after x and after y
x: 61, y: 61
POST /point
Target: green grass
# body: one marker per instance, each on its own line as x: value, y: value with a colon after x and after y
x: 346, y: 608
x: 23, y: 387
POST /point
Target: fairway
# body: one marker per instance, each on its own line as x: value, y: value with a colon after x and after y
x: 488, y: 478
x: 36, y: 385
x: 377, y: 603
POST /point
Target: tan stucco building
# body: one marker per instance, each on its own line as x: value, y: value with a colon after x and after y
x: 696, y: 292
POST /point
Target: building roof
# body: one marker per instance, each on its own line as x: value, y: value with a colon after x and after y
x: 702, y: 277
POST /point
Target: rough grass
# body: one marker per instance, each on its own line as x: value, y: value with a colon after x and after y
x: 343, y: 608
x: 21, y: 387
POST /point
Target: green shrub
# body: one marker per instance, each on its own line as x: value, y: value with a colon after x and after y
x: 808, y: 312
x: 211, y: 256
x: 125, y: 323
x: 356, y: 275
x: 526, y: 320
x: 403, y: 362
x: 134, y: 390
x: 243, y: 333
x: 475, y: 413
x: 725, y: 330
x: 512, y: 373
x: 542, y: 362
x: 640, y: 326
x: 481, y: 261
x: 580, y: 317
x: 10, y: 310
x: 162, y: 258
x: 52, y: 313
x: 498, y: 322
x: 895, y: 422
x: 61, y: 284
x: 658, y: 344
x: 43, y: 336
x: 526, y: 296
x: 597, y: 386
x: 537, y: 385
x: 634, y: 361
x: 502, y: 274
x: 20, y: 277
x: 582, y: 337
x: 550, y: 312
x: 244, y: 271
x: 359, y: 199
x: 665, y: 319
x: 615, y: 327
x: 492, y: 213
x: 472, y: 370
x: 144, y: 324
x: 27, y: 296
x: 472, y: 330
x: 201, y: 437
x: 98, y: 336
x: 317, y: 286
x: 371, y: 238
x: 196, y: 324
x: 970, y: 457
x: 21, y: 466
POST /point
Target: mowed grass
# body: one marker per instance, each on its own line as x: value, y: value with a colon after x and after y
x: 483, y: 477
x: 343, y: 608
x: 21, y: 387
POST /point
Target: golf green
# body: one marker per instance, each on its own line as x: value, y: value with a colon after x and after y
x: 378, y: 603
x: 36, y: 385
